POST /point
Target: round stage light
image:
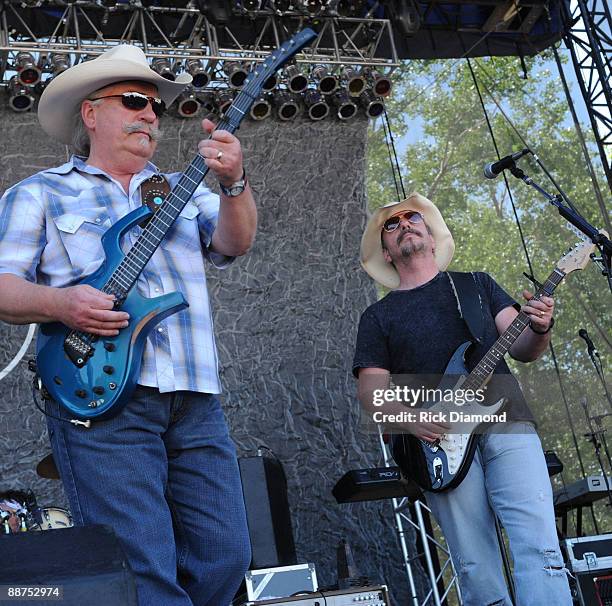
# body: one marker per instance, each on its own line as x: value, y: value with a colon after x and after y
x: 163, y: 68
x: 355, y: 82
x: 327, y: 83
x: 380, y: 83
x: 223, y: 99
x: 296, y: 80
x: 187, y: 104
x: 21, y: 98
x: 316, y: 105
x: 236, y: 73
x: 270, y: 83
x: 287, y: 105
x: 200, y: 77
x: 261, y: 108
x: 59, y: 63
x: 344, y: 102
x: 314, y: 7
x: 27, y: 70
x: 372, y: 104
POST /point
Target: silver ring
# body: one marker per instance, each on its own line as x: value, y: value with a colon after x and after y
x: 219, y: 155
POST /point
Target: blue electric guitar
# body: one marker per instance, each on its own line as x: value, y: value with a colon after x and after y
x: 94, y: 377
x: 442, y: 465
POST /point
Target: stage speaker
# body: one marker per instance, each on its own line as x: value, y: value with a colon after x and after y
x: 86, y: 563
x: 267, y: 507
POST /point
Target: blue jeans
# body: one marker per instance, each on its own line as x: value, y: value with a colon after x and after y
x: 508, y: 477
x: 164, y: 475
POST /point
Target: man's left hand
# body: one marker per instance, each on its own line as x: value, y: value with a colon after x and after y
x: 223, y: 154
x: 540, y: 311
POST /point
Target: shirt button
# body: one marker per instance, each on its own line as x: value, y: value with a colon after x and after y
x: 157, y: 290
x: 98, y: 220
x: 160, y: 329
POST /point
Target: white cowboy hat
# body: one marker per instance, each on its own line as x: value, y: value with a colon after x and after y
x: 372, y: 258
x: 63, y: 96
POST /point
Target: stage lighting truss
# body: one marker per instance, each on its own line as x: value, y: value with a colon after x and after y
x: 353, y: 55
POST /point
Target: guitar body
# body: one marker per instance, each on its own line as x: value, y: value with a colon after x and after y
x: 442, y: 465
x: 101, y: 387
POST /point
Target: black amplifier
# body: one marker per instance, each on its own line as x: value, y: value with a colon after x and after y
x: 364, y: 596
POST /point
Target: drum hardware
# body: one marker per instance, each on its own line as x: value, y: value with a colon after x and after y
x: 51, y: 518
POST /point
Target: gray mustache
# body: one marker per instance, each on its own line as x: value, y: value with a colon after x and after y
x: 152, y: 131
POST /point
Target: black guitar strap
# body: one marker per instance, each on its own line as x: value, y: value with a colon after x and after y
x: 469, y: 302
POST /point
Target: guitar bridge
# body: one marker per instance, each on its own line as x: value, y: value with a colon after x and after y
x: 77, y: 349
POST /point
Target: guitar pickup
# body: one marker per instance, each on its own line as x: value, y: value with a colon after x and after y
x: 77, y: 350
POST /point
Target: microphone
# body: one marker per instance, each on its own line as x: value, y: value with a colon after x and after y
x: 590, y: 347
x: 492, y: 169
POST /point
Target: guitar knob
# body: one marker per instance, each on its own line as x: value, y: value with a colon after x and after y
x: 109, y: 370
x: 110, y: 346
x: 98, y: 390
x: 80, y: 393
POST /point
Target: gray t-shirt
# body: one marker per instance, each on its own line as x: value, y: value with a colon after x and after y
x: 416, y: 332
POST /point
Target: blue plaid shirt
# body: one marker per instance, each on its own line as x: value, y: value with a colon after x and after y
x: 50, y: 229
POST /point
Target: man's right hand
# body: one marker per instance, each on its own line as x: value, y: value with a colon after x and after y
x: 427, y: 431
x: 88, y: 309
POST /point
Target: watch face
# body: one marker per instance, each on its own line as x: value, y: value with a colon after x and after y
x: 236, y: 190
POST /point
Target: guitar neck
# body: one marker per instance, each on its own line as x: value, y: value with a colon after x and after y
x: 483, y: 370
x: 127, y: 272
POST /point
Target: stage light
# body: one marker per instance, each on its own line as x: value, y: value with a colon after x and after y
x: 287, y: 105
x: 296, y: 80
x: 27, y: 70
x: 373, y: 105
x: 346, y: 107
x: 236, y: 73
x: 200, y: 77
x: 163, y: 68
x: 355, y: 82
x: 251, y: 5
x: 313, y: 7
x: 21, y: 98
x: 281, y: 6
x: 187, y: 104
x: 348, y: 8
x: 381, y: 84
x: 224, y: 99
x: 270, y: 83
x: 59, y: 63
x: 316, y: 105
x: 327, y: 83
x: 261, y: 108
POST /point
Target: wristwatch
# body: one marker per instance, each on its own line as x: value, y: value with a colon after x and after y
x: 236, y: 188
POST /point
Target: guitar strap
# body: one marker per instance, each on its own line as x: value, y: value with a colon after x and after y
x: 469, y: 302
x: 153, y: 191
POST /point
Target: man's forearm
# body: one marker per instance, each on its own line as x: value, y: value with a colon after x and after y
x: 529, y: 346
x: 22, y: 302
x: 236, y: 226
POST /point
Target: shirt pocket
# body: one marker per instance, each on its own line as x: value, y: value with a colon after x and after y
x: 81, y: 234
x: 184, y: 235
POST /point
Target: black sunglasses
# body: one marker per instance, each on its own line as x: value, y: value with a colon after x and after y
x: 138, y: 101
x: 392, y: 223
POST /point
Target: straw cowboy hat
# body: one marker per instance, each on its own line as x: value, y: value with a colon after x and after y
x: 62, y: 97
x: 372, y: 259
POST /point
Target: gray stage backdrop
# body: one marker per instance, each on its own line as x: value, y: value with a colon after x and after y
x: 285, y: 317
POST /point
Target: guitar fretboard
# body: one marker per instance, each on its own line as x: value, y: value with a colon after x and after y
x: 483, y: 370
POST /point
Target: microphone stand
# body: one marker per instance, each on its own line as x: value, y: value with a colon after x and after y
x: 603, y: 243
x: 593, y: 436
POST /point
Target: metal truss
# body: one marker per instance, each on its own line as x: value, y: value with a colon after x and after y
x: 85, y: 29
x: 402, y: 517
x: 590, y: 44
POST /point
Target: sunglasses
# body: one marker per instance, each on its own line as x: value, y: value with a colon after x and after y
x: 392, y: 223
x: 138, y: 101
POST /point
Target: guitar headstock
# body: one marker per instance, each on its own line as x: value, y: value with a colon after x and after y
x: 577, y: 258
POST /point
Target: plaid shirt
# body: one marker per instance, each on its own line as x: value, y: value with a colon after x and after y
x: 50, y: 229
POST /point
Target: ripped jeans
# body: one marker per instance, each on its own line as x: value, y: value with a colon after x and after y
x: 508, y: 477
